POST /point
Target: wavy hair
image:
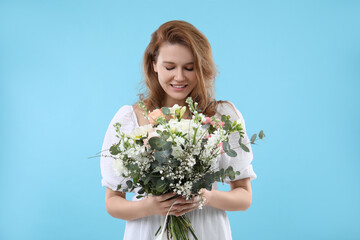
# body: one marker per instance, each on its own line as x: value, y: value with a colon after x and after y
x: 184, y: 33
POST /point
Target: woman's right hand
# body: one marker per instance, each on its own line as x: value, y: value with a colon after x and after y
x: 160, y: 205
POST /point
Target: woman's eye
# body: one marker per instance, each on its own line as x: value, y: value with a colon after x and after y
x: 189, y: 69
x: 169, y: 68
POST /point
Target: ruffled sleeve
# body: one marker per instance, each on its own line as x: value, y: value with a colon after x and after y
x: 127, y: 118
x: 242, y: 162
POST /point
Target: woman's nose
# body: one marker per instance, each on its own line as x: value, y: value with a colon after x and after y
x: 179, y: 75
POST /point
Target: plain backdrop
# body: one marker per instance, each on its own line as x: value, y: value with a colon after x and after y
x: 290, y: 67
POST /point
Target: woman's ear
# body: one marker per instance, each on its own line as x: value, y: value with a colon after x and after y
x: 154, y: 66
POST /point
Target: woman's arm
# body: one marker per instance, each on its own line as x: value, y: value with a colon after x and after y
x: 237, y: 199
x: 118, y: 207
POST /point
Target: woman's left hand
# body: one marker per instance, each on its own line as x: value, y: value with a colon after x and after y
x: 183, y: 206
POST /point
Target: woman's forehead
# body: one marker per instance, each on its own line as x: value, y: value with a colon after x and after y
x: 175, y: 53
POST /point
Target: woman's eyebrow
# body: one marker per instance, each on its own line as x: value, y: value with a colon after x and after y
x: 174, y: 63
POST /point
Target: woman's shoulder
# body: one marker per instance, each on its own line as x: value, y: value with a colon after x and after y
x: 228, y: 108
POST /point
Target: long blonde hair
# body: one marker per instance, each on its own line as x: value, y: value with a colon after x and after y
x: 184, y: 33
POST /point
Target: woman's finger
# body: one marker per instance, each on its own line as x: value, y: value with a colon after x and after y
x: 166, y: 196
x: 182, y: 212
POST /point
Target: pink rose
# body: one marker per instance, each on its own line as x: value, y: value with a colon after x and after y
x: 154, y: 115
x: 222, y: 124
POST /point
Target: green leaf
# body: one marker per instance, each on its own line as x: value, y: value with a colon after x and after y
x: 161, y: 186
x: 227, y: 125
x: 147, y: 180
x: 244, y: 147
x: 114, y: 150
x: 157, y: 143
x: 231, y: 153
x: 224, y: 118
x: 139, y: 196
x: 129, y: 183
x: 237, y: 173
x: 162, y: 156
x: 253, y: 138
x: 141, y: 191
x: 226, y: 146
x: 165, y: 135
x: 165, y: 110
x: 232, y: 175
x: 261, y: 134
x: 118, y: 187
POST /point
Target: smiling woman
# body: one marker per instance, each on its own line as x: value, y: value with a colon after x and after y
x: 178, y: 64
x: 176, y: 74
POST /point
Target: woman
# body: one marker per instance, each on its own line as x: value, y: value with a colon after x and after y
x: 178, y: 63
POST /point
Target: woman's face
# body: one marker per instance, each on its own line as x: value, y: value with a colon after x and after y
x: 176, y: 75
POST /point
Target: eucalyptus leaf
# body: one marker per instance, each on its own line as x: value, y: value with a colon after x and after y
x: 165, y: 110
x: 244, y: 147
x: 253, y: 138
x: 226, y: 146
x: 261, y: 134
x: 162, y: 156
x: 227, y: 126
x: 161, y: 186
x: 114, y: 150
x: 165, y: 135
x: 129, y: 183
x: 157, y: 143
x: 231, y: 153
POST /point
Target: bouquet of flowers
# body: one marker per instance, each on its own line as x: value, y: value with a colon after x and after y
x: 173, y: 154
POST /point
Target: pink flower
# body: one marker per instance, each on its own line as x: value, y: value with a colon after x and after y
x: 154, y: 115
x: 208, y: 137
x: 213, y: 123
x: 220, y: 124
x: 207, y: 120
x: 146, y: 140
x: 220, y: 146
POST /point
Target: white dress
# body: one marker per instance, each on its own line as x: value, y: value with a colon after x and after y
x: 209, y: 223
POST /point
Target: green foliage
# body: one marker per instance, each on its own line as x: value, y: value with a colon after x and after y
x: 244, y: 147
x: 165, y: 110
x: 231, y: 153
x: 261, y: 134
x: 159, y: 143
x: 163, y: 155
x: 114, y: 149
x: 253, y: 138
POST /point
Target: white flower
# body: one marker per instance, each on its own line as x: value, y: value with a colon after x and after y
x: 141, y: 132
x: 183, y: 126
x: 119, y: 167
x: 174, y: 108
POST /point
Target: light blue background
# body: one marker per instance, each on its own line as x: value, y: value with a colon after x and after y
x: 291, y: 67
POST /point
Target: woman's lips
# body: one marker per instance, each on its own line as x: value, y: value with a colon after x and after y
x: 178, y: 87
